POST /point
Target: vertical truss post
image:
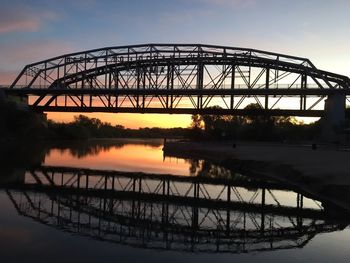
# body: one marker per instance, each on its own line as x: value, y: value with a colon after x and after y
x: 249, y: 75
x: 168, y: 80
x: 64, y: 77
x: 163, y: 186
x: 299, y: 206
x: 233, y: 86
x: 299, y: 201
x: 200, y: 83
x: 228, y: 194
x: 83, y: 79
x: 196, y: 190
x: 76, y: 85
x: 168, y: 187
x: 106, y: 66
x: 138, y: 85
x: 133, y: 208
x: 140, y: 185
x: 116, y: 84
x: 109, y: 87
x: 133, y: 185
x: 267, y: 86
x: 105, y: 183
x: 303, y: 97
x: 228, y: 219
x: 143, y: 86
x: 165, y: 214
x: 64, y: 70
x: 262, y: 227
x: 107, y: 84
x: 58, y: 211
x: 78, y: 181
x: 171, y: 85
x: 45, y: 72
x: 194, y: 219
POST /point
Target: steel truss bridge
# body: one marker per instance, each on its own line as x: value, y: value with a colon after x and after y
x: 179, y: 78
x: 166, y: 212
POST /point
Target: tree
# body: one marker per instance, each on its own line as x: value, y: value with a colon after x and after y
x: 197, y: 122
x: 195, y: 131
x: 252, y: 127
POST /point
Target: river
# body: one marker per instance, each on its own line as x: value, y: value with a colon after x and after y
x: 125, y: 201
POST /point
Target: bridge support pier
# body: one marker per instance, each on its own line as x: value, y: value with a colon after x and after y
x: 20, y: 101
x: 333, y: 119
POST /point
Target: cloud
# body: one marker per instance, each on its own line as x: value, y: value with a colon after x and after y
x: 23, y: 19
x: 15, y: 56
x: 32, y: 51
x: 7, y: 77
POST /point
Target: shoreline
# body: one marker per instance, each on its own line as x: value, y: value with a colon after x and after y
x: 323, y: 172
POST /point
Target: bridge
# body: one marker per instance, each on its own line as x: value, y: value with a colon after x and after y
x: 181, y: 79
x: 165, y: 212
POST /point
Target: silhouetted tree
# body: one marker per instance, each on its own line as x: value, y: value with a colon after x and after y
x: 254, y: 126
x: 195, y: 132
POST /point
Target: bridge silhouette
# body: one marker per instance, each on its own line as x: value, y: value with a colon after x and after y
x: 166, y: 212
x: 181, y: 79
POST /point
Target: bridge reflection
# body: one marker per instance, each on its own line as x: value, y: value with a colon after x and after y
x: 196, y: 214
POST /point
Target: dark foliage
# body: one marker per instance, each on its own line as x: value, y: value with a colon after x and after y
x: 259, y: 127
x: 83, y: 128
x: 21, y: 124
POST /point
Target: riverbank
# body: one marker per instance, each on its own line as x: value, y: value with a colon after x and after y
x: 323, y: 171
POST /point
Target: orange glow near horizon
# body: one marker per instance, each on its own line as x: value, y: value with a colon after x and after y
x: 135, y: 121
x: 129, y: 120
x: 130, y: 158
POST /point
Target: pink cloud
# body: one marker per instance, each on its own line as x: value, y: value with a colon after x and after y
x: 32, y: 51
x: 23, y: 19
x: 15, y: 56
x: 7, y: 77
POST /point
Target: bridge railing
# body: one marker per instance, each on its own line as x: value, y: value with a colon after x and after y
x: 223, y: 86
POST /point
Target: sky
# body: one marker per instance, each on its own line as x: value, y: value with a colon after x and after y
x: 34, y: 30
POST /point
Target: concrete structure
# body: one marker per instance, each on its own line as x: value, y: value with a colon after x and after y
x: 333, y: 120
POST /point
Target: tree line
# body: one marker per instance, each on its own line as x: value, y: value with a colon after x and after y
x: 16, y: 123
x: 83, y: 127
x: 23, y: 124
x: 259, y: 127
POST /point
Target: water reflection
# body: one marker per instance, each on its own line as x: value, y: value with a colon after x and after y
x: 81, y: 149
x: 127, y: 192
x: 119, y: 154
x: 193, y: 214
x: 205, y: 168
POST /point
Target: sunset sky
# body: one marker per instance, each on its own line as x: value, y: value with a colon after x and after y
x: 35, y: 30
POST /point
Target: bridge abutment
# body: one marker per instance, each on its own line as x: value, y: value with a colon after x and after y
x: 21, y: 101
x: 334, y: 118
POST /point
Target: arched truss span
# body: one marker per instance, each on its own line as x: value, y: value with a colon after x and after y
x: 167, y: 212
x: 179, y: 78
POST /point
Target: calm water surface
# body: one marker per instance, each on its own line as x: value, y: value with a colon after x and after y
x: 55, y: 210
x: 135, y: 156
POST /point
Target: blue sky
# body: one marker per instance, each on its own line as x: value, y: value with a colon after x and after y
x: 35, y: 30
x: 318, y: 29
